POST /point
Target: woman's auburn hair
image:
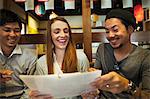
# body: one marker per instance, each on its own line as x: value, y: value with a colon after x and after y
x: 70, y: 57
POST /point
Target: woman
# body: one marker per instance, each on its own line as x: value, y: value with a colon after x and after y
x: 61, y: 56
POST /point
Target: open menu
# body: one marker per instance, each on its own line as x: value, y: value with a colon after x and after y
x: 60, y: 86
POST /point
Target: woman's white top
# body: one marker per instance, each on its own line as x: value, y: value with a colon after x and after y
x: 42, y: 68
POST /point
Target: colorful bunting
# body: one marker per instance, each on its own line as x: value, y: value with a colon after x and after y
x: 49, y: 5
x: 127, y: 3
x: 29, y: 5
x: 69, y: 4
x: 106, y: 4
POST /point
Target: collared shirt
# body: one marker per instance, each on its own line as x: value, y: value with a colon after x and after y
x: 21, y: 62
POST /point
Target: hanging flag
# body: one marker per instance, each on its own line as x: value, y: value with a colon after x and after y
x: 127, y: 3
x: 145, y: 3
x: 69, y: 4
x: 91, y: 4
x: 29, y: 5
x: 43, y: 0
x: 49, y: 5
x: 106, y: 4
x: 20, y: 0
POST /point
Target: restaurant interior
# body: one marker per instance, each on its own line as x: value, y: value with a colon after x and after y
x: 86, y: 18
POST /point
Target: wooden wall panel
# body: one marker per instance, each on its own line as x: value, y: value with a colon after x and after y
x: 32, y: 39
x: 77, y: 38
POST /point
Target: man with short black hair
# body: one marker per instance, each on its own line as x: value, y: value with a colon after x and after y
x: 14, y: 60
x: 124, y: 65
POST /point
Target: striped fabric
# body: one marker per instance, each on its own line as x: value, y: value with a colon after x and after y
x: 21, y: 62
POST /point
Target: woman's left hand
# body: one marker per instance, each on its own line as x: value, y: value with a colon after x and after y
x: 91, y: 69
x: 90, y: 93
x: 37, y: 95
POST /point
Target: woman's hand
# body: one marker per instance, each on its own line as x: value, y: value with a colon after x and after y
x: 91, y: 69
x: 36, y: 95
x: 112, y: 82
x: 91, y: 93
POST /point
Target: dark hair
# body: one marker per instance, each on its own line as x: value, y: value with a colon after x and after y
x: 9, y: 16
x: 126, y: 24
x: 126, y: 17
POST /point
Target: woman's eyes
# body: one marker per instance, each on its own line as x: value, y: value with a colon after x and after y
x: 56, y: 31
x: 66, y: 30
